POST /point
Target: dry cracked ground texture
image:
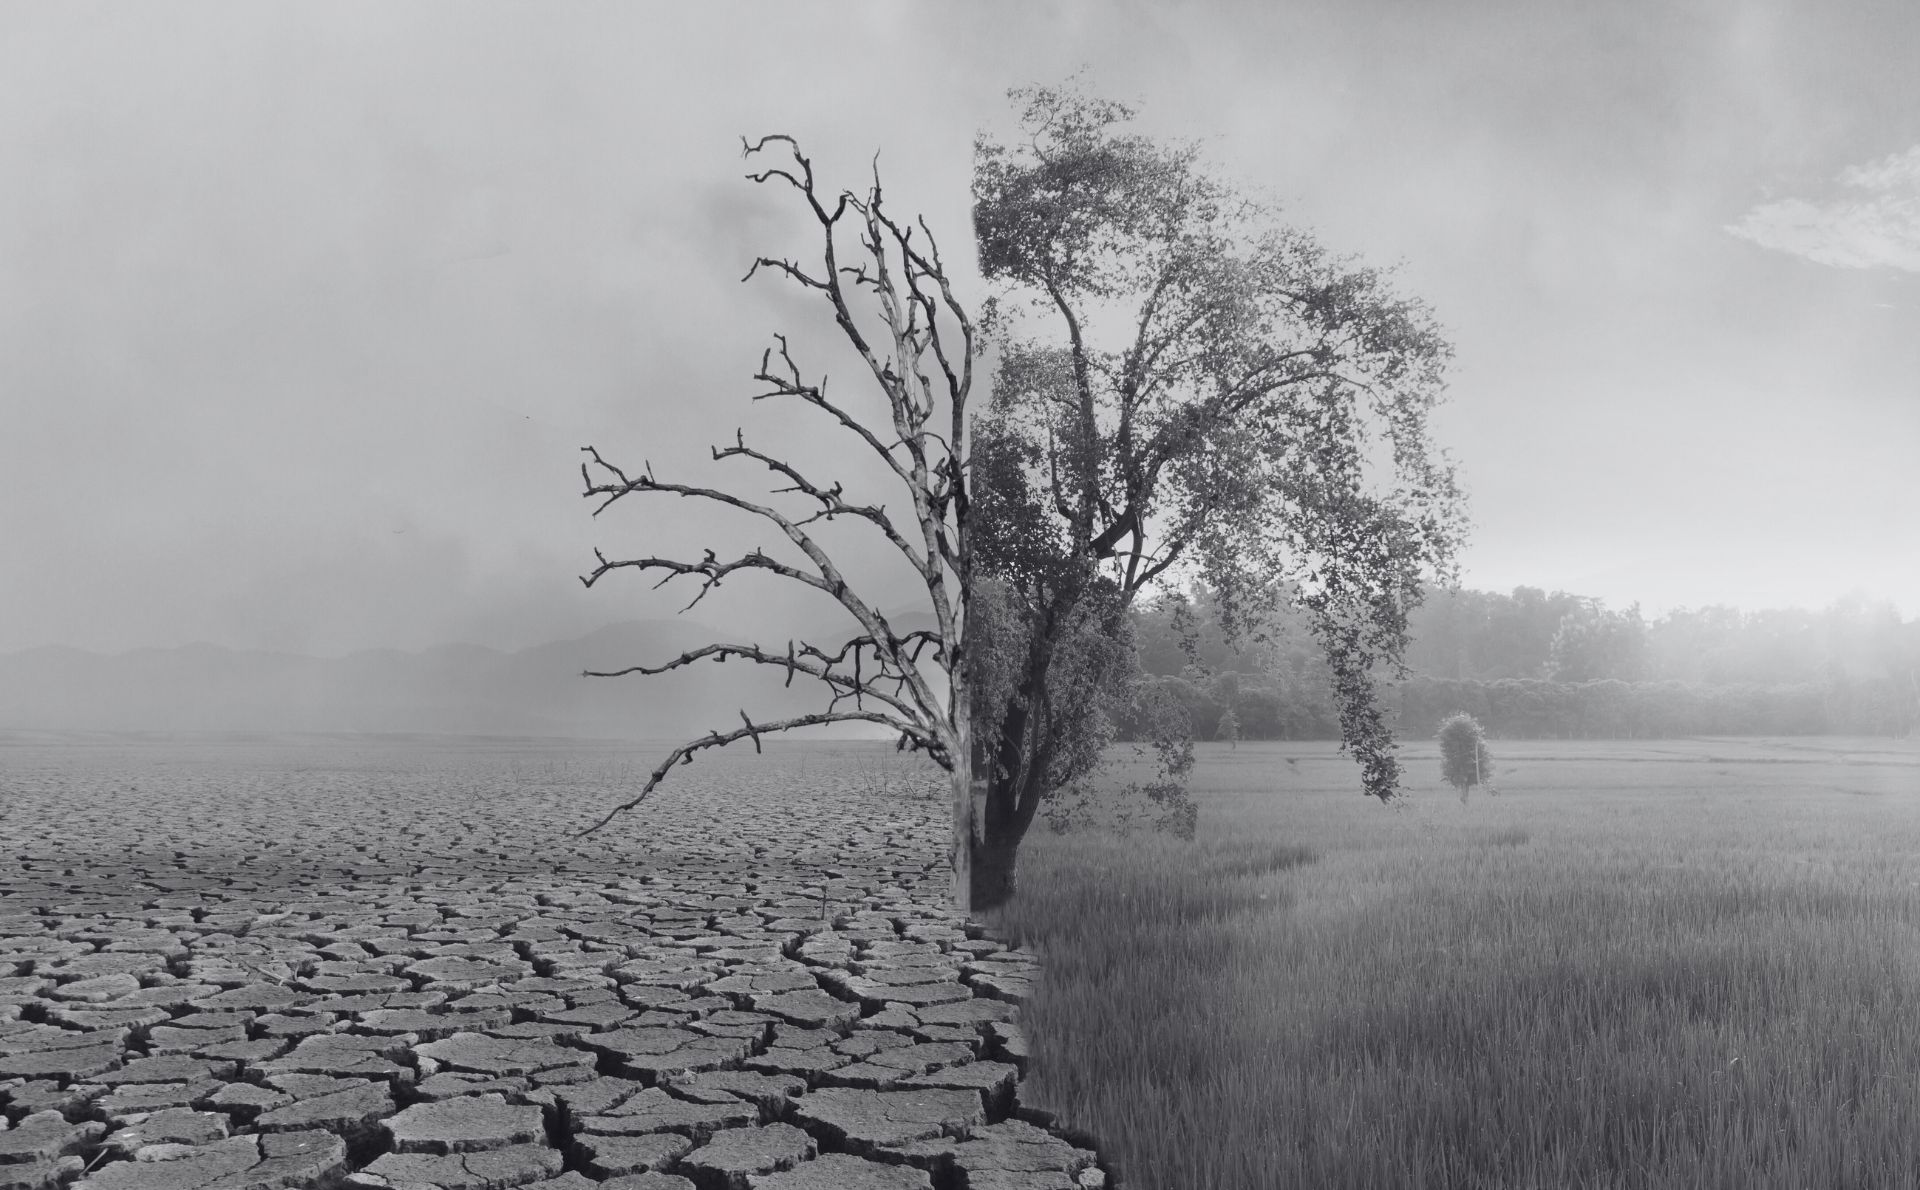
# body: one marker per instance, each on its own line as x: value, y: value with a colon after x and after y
x: 321, y: 965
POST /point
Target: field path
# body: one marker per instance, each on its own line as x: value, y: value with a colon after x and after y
x: 306, y: 963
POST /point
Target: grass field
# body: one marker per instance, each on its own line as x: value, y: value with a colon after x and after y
x: 1656, y: 964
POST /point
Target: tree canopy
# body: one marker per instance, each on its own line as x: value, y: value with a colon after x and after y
x: 1188, y: 386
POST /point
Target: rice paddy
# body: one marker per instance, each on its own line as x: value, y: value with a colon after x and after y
x: 1654, y: 964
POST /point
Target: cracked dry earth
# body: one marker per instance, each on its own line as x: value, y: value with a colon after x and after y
x: 329, y: 963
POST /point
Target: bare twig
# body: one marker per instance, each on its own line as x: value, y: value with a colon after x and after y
x: 719, y: 739
x: 894, y: 306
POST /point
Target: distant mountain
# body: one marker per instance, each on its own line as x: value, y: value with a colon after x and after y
x: 459, y: 689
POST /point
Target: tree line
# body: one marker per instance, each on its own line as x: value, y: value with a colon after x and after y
x: 1535, y: 665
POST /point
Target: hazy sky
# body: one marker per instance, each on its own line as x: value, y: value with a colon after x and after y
x: 305, y: 309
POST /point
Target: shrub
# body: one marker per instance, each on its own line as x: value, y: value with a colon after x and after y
x: 1464, y: 759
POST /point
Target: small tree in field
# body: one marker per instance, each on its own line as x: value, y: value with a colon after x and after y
x: 1464, y: 759
x: 890, y: 297
x: 1229, y: 729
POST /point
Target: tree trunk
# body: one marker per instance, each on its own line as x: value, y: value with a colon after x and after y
x: 961, y: 848
x: 1011, y: 772
x: 997, y: 840
x: 1012, y: 799
x: 994, y: 856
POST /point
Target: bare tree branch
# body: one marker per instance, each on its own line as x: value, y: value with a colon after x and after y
x: 798, y: 659
x: 832, y: 502
x: 719, y: 739
x: 894, y: 306
x: 791, y: 385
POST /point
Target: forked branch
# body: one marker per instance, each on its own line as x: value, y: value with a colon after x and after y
x: 799, y: 660
x: 684, y: 754
x: 895, y: 308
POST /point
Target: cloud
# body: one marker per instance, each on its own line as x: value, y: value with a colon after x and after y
x: 1875, y: 225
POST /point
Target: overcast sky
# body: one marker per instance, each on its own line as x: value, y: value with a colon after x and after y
x: 306, y: 309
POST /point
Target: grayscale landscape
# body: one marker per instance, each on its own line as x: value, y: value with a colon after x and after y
x: 1015, y: 596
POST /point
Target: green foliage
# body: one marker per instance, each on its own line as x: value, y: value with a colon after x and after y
x: 1464, y: 759
x: 1853, y: 640
x: 1091, y: 686
x: 1142, y: 782
x: 1191, y: 388
x: 1853, y: 669
x: 1229, y: 727
x: 1607, y: 709
x: 1592, y: 642
x: 1015, y: 539
x: 1468, y: 635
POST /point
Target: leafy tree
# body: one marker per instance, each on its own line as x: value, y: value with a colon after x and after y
x: 1464, y: 759
x: 1186, y: 388
x: 1487, y: 635
x: 1592, y: 643
x: 891, y: 299
x: 1694, y: 644
x: 1229, y: 728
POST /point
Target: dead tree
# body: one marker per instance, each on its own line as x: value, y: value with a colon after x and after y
x: 894, y: 305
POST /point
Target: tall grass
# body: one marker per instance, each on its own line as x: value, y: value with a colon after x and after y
x: 1629, y: 970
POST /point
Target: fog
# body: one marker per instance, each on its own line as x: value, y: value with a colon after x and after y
x: 306, y: 310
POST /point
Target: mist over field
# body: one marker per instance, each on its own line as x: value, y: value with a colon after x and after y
x: 1234, y: 595
x: 1529, y: 663
x: 454, y: 689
